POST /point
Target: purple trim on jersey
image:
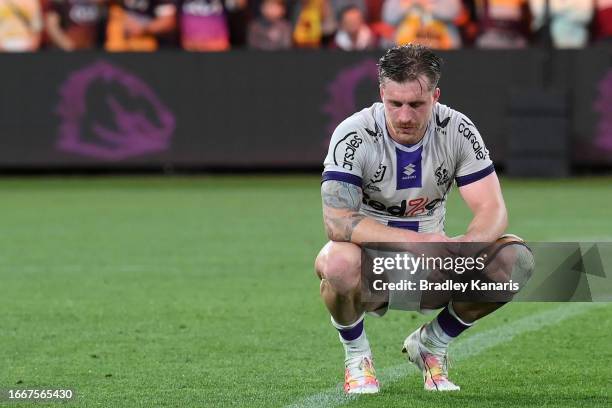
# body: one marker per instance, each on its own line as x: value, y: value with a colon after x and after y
x: 408, y: 168
x: 352, y: 333
x: 340, y: 176
x: 407, y: 225
x: 450, y: 324
x: 470, y: 178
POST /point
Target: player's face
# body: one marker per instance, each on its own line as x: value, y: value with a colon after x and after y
x: 408, y: 108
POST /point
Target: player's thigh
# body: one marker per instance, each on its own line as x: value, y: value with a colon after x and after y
x: 338, y: 261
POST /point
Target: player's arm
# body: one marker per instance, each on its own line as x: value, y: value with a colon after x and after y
x: 344, y: 223
x: 485, y: 200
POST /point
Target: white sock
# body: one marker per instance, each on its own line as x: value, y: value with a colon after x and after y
x: 357, y: 347
x: 434, y: 337
x: 451, y: 310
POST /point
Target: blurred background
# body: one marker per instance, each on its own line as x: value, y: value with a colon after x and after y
x: 139, y: 270
x: 192, y: 85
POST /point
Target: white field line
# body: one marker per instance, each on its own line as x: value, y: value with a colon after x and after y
x: 464, y: 348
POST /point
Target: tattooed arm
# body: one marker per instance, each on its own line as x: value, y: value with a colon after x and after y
x: 343, y: 222
x: 341, y: 202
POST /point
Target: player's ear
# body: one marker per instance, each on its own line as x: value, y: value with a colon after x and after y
x: 382, y: 92
x: 436, y: 95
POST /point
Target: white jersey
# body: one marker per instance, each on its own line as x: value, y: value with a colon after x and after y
x: 407, y: 186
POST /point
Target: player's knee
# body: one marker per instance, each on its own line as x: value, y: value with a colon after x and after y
x: 515, y: 258
x: 341, y: 268
x: 524, y: 264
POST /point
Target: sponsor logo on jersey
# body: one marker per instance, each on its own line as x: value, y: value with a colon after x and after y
x: 431, y: 206
x: 349, y: 145
x: 408, y: 168
x: 380, y: 174
x: 442, y: 175
x: 411, y: 208
x: 467, y: 130
x: 441, y: 124
x: 376, y: 133
x: 377, y: 178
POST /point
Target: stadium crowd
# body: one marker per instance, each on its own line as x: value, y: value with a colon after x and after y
x: 220, y: 25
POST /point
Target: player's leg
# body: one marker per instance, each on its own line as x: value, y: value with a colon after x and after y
x: 338, y: 266
x: 469, y: 312
x: 510, y: 260
x: 427, y: 347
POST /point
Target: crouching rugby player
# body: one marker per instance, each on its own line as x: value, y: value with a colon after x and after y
x: 387, y: 176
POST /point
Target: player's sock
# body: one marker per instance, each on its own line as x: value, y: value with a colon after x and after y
x: 438, y: 333
x: 353, y: 337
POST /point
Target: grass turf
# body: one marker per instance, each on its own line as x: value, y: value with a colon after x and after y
x: 200, y: 292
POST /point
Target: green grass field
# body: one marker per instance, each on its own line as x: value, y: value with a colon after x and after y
x: 197, y: 292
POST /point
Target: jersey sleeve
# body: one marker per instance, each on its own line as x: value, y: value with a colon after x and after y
x: 346, y: 157
x: 473, y: 161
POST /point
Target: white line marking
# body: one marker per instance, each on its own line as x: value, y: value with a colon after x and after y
x: 464, y: 348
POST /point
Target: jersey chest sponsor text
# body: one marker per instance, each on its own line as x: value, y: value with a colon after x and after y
x: 465, y: 130
x: 406, y: 208
x: 349, y: 145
